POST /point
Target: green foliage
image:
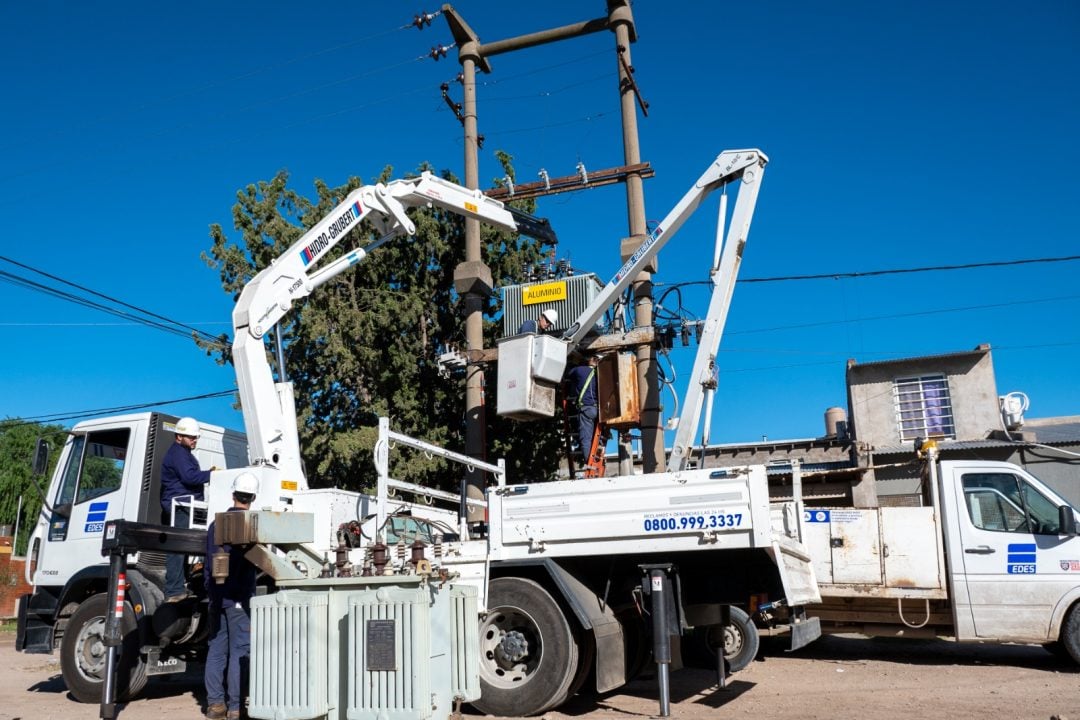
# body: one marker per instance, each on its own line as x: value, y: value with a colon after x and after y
x: 365, y: 345
x: 17, y: 442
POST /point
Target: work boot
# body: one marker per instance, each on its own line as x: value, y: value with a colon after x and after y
x: 234, y: 715
x: 215, y: 711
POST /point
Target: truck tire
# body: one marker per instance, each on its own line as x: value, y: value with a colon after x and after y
x: 740, y: 640
x: 528, y: 652
x: 1070, y: 633
x: 83, y: 652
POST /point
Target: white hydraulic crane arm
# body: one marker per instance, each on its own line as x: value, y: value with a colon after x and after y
x: 729, y: 166
x: 269, y: 412
x: 703, y: 378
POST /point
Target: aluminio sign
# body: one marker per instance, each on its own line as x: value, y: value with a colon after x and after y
x: 548, y: 292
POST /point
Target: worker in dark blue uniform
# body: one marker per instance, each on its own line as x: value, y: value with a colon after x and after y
x: 582, y: 391
x: 181, y: 479
x: 230, y: 619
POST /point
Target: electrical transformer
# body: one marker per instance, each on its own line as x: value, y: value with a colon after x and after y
x: 400, y: 647
x: 569, y: 296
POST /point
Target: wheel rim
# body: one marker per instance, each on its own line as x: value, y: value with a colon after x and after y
x: 733, y: 641
x: 510, y: 647
x: 90, y: 650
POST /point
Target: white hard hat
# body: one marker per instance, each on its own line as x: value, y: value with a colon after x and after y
x: 246, y: 482
x: 551, y: 315
x: 187, y: 426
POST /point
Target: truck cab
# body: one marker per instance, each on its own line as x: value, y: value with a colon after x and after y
x: 1015, y: 570
x: 108, y: 469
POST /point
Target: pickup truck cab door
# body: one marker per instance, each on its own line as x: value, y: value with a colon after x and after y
x: 1013, y: 563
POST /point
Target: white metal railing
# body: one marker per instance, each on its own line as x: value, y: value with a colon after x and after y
x: 195, y: 522
x: 388, y: 438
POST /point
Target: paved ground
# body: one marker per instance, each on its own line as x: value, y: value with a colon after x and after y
x: 833, y: 678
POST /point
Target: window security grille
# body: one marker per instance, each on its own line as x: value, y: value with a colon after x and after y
x: 923, y: 407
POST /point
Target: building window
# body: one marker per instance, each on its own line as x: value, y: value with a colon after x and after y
x: 923, y: 407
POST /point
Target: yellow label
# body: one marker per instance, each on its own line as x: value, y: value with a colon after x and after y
x: 548, y: 292
x: 288, y: 484
x: 471, y: 207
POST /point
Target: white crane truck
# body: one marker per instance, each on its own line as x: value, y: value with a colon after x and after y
x: 560, y: 569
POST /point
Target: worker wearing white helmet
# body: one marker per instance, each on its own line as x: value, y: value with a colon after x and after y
x: 181, y: 479
x: 230, y: 622
x: 545, y: 323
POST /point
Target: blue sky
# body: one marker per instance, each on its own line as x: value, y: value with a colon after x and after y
x: 900, y: 135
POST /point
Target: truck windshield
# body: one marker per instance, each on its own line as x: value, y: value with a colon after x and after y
x: 1005, y: 502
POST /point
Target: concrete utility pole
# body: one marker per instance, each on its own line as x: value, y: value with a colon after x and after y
x: 652, y: 434
x: 472, y: 278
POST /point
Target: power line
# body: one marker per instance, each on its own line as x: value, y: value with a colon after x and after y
x: 894, y: 316
x: 165, y: 323
x: 581, y: 119
x: 1000, y: 348
x: 901, y: 271
x: 115, y: 410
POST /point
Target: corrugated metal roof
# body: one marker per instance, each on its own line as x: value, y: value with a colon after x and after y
x: 981, y: 350
x: 946, y: 446
x: 1059, y: 434
x: 785, y: 468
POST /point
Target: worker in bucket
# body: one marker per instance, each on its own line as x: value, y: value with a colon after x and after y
x: 230, y: 619
x: 544, y: 324
x: 181, y: 480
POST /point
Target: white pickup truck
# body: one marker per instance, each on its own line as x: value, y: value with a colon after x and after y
x: 992, y: 555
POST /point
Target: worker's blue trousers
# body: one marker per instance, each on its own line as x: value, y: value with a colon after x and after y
x: 227, y: 657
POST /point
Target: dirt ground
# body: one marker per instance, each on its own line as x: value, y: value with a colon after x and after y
x: 836, y: 677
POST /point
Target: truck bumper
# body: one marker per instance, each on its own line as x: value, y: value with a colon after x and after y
x: 33, y: 634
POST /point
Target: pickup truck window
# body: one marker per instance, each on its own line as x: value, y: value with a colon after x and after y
x: 1004, y: 502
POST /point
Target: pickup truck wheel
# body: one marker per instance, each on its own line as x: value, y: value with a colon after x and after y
x: 1070, y: 633
x: 528, y: 652
x: 83, y: 653
x: 740, y: 640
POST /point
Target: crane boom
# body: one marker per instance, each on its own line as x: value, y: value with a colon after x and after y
x: 268, y: 407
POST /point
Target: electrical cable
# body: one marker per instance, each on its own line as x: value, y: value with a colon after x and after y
x: 548, y: 93
x: 917, y: 313
x: 105, y: 297
x: 581, y: 119
x: 902, y: 271
x: 82, y: 414
x: 60, y: 294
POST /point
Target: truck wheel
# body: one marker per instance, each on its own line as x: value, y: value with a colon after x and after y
x: 740, y: 640
x: 83, y: 653
x: 528, y: 652
x: 1070, y: 633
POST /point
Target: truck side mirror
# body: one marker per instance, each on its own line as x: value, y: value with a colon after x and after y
x: 1066, y: 521
x: 41, y: 457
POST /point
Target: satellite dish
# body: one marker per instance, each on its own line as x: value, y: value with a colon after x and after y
x: 1013, y: 406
